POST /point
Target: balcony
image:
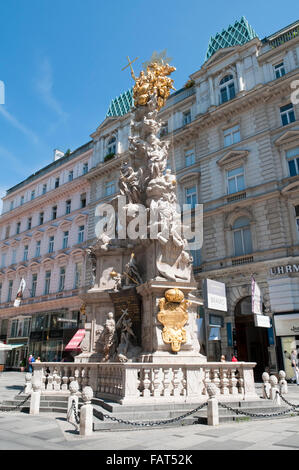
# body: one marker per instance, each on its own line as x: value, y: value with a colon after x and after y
x: 242, y: 260
x: 285, y: 37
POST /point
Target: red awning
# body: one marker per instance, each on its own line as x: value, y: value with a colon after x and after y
x: 76, y: 340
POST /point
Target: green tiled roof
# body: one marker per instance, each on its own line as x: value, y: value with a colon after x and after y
x: 121, y: 105
x: 236, y: 34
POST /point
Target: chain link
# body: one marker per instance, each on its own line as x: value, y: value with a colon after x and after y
x: 74, y: 408
x: 14, y: 408
x: 286, y: 401
x: 156, y: 423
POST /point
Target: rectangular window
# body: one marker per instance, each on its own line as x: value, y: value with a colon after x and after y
x: 14, y: 328
x: 18, y: 228
x: 34, y: 285
x: 81, y: 234
x: 68, y: 205
x: 186, y: 117
x: 29, y: 223
x: 11, y: 205
x: 191, y: 196
x: 110, y: 188
x: 54, y: 212
x: 293, y: 161
x: 9, y: 295
x: 78, y: 274
x: 37, y: 248
x: 25, y: 257
x: 56, y: 183
x: 164, y: 129
x: 71, y: 175
x: 32, y: 195
x: 231, y: 136
x: 41, y: 218
x: 287, y: 114
x: 44, y: 188
x: 85, y: 168
x: 3, y: 260
x: 22, y: 200
x: 65, y: 239
x: 0, y: 301
x: 26, y: 327
x: 7, y: 231
x: 61, y: 279
x: 83, y: 200
x: 279, y: 70
x: 235, y: 180
x: 189, y: 157
x: 47, y: 282
x: 242, y: 242
x: 14, y: 257
x: 51, y: 244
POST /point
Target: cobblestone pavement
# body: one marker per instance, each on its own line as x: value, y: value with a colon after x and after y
x: 20, y: 431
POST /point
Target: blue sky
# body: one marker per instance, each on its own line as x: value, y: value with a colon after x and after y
x: 61, y: 62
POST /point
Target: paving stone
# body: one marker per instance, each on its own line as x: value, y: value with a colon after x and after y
x: 291, y: 441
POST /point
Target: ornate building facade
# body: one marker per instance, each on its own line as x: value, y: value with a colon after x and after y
x: 43, y: 229
x: 234, y: 137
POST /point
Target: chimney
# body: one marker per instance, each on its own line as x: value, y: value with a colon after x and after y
x: 58, y: 154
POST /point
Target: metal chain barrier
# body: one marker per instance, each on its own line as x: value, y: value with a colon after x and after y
x: 14, y: 408
x: 157, y: 423
x: 263, y: 415
x: 74, y: 409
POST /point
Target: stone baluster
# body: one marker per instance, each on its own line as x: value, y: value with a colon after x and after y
x: 50, y: 385
x: 216, y: 378
x: 176, y: 382
x: 224, y: 381
x: 233, y: 381
x: 64, y: 385
x: 240, y: 383
x: 146, y: 383
x: 57, y: 382
x: 107, y: 379
x: 166, y: 382
x: 207, y: 380
x: 156, y: 382
x: 44, y: 379
x: 184, y: 383
x: 77, y: 376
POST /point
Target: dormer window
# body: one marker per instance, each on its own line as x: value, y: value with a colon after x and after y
x: 279, y: 70
x: 227, y: 89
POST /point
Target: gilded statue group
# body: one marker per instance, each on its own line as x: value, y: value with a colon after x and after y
x: 154, y: 81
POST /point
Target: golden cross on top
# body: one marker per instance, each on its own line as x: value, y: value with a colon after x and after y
x: 130, y: 64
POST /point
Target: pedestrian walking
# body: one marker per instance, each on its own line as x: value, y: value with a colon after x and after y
x: 234, y: 359
x: 294, y: 362
x: 30, y: 361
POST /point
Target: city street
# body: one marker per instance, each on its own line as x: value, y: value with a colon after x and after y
x: 20, y: 431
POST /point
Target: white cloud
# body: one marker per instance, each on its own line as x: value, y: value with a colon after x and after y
x: 18, y: 125
x: 44, y: 86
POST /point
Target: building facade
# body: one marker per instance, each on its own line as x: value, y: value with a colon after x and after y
x: 234, y: 137
x: 43, y: 230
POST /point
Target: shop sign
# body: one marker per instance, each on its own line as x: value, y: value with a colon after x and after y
x: 262, y: 321
x: 215, y: 295
x: 289, y: 268
x: 287, y: 325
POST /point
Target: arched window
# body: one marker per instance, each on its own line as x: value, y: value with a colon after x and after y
x: 111, y: 146
x: 242, y: 236
x: 227, y: 88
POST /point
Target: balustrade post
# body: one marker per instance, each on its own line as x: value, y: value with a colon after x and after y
x: 213, y: 411
x: 28, y: 384
x: 156, y: 382
x: 35, y: 396
x: 176, y: 382
x: 146, y: 383
x: 166, y: 382
x: 86, y: 412
x: 73, y: 402
x: 130, y: 390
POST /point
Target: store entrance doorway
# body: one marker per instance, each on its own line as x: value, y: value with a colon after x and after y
x: 252, y: 341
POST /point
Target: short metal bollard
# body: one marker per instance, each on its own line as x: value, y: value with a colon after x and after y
x: 72, y: 404
x: 86, y: 412
x: 35, y: 396
x: 213, y: 412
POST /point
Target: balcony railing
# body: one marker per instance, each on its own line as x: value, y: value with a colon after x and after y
x: 285, y: 37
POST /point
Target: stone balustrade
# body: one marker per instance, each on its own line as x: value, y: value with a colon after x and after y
x: 150, y: 382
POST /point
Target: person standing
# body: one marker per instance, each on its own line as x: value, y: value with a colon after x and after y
x: 294, y: 362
